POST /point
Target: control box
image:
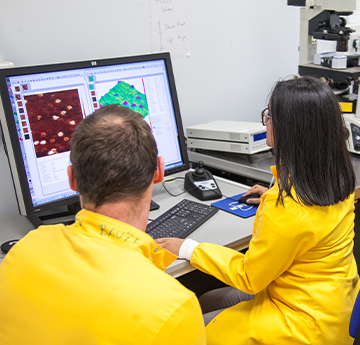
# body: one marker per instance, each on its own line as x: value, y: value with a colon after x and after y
x: 228, y: 136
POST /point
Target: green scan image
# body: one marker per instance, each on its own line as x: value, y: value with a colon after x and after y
x: 126, y: 95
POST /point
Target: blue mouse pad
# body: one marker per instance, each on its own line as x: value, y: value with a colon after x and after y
x: 232, y: 206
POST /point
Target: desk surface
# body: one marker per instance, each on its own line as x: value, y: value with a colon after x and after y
x: 223, y: 228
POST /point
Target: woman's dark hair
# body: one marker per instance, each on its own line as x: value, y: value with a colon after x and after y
x: 310, y: 143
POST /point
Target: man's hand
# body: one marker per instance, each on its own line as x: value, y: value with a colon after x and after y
x: 255, y: 189
x: 171, y: 244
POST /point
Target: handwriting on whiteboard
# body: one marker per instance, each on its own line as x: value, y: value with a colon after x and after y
x: 169, y: 27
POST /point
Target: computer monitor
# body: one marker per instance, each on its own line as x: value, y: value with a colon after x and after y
x: 41, y: 106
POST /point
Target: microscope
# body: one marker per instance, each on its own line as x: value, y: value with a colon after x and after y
x: 326, y: 20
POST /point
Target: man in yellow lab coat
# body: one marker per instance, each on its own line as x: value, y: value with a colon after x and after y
x: 100, y: 280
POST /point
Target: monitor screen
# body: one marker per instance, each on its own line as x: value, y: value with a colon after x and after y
x: 42, y: 106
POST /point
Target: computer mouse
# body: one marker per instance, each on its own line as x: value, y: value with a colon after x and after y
x: 242, y: 199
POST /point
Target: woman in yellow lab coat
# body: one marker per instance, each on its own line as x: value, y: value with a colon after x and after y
x: 300, y: 264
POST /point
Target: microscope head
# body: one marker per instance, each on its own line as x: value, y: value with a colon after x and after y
x: 329, y: 25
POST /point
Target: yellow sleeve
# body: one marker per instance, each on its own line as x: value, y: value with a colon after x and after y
x: 185, y: 326
x: 280, y: 235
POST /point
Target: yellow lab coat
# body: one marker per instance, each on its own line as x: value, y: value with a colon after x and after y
x: 301, y: 267
x: 98, y: 281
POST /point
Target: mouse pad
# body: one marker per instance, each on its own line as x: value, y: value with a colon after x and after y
x: 231, y: 205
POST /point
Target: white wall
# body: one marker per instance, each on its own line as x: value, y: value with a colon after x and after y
x: 235, y: 50
x: 238, y: 48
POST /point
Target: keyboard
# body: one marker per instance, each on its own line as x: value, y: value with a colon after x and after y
x: 181, y: 220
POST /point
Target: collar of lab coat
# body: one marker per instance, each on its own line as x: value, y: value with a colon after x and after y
x: 274, y: 171
x: 122, y: 235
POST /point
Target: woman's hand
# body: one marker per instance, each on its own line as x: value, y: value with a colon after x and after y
x: 255, y: 189
x: 171, y: 244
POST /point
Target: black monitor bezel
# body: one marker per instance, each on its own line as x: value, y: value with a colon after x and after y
x: 11, y: 127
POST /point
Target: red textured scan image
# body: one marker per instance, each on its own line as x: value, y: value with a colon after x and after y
x: 53, y: 118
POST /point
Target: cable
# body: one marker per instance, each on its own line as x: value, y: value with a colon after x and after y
x: 272, y: 182
x: 172, y: 180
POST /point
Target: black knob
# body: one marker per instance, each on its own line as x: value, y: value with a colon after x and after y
x: 357, y: 147
x: 200, y: 172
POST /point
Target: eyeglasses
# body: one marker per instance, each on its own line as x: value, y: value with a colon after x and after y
x: 265, y: 116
